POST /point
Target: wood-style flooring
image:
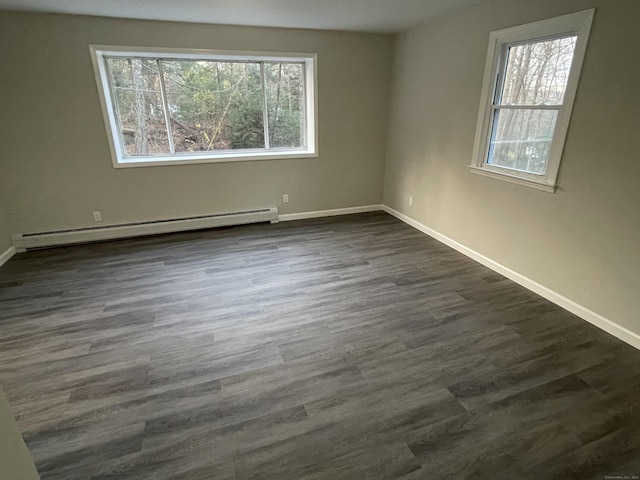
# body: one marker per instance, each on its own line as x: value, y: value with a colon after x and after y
x: 352, y: 347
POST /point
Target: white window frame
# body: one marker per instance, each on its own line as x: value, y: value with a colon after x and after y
x: 99, y: 53
x: 578, y: 24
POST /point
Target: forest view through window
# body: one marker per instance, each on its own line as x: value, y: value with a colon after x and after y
x: 175, y: 108
x: 532, y: 92
x: 530, y: 83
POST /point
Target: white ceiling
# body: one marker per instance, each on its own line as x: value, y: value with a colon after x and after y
x: 386, y: 16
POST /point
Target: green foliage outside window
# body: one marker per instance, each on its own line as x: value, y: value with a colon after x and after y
x: 209, y: 105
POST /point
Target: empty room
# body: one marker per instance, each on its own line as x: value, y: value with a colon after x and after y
x: 295, y: 240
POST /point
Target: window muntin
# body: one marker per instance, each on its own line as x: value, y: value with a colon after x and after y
x: 180, y: 107
x: 530, y: 82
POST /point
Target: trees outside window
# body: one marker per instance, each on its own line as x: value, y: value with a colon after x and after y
x: 526, y: 110
x: 184, y: 107
x: 530, y: 83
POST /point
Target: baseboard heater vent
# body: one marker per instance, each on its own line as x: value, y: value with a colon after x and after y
x: 25, y: 241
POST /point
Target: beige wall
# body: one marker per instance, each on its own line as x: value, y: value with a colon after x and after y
x: 583, y: 241
x: 5, y: 230
x: 15, y: 460
x: 55, y: 146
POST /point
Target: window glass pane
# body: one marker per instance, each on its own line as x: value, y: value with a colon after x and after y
x: 537, y: 73
x: 285, y: 104
x: 214, y: 105
x: 521, y: 139
x: 138, y: 105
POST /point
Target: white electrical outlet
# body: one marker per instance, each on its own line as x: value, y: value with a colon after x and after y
x: 285, y: 198
x: 410, y: 201
x: 97, y: 216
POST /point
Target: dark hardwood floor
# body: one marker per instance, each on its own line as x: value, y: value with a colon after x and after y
x: 352, y: 347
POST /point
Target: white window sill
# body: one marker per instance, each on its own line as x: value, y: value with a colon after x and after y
x: 212, y: 158
x: 513, y: 178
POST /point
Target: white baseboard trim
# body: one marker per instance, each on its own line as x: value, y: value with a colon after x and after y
x: 590, y: 316
x: 329, y: 213
x: 4, y: 257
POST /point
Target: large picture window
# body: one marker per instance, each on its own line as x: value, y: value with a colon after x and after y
x: 177, y: 106
x: 530, y: 82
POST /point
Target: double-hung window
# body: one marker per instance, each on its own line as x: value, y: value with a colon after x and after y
x: 175, y: 106
x: 531, y: 77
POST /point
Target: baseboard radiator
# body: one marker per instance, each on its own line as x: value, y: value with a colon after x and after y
x: 25, y: 241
